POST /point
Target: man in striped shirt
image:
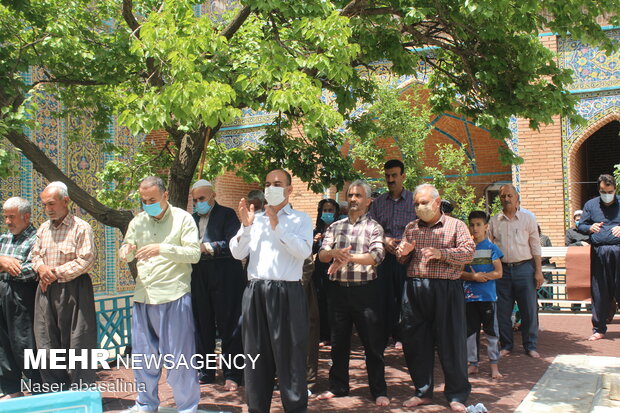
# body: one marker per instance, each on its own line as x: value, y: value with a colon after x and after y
x: 18, y: 285
x: 354, y: 246
x: 393, y: 210
x: 435, y: 248
x: 64, y: 315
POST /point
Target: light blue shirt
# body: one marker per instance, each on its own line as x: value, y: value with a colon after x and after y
x: 275, y: 254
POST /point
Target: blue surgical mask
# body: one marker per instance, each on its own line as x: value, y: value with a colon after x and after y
x: 576, y: 223
x: 203, y: 207
x: 343, y: 216
x: 327, y: 217
x: 152, y: 209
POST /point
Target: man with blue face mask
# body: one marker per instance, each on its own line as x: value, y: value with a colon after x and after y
x: 218, y: 281
x: 164, y: 241
x: 601, y: 219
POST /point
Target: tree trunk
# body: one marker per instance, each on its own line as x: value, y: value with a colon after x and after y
x: 44, y: 165
x: 190, y: 147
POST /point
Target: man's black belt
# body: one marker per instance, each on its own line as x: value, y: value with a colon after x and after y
x: 516, y: 264
x: 352, y: 283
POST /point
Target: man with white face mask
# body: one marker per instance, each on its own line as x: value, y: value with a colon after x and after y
x: 601, y: 219
x: 435, y: 248
x: 274, y: 310
x: 217, y: 285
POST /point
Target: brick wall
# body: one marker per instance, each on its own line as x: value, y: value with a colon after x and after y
x: 542, y: 188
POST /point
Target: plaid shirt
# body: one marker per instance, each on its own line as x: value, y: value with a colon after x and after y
x: 18, y: 247
x: 68, y: 248
x: 364, y: 236
x: 393, y: 215
x: 450, y: 236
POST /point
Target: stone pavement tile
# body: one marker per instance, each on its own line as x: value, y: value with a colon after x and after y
x: 561, y: 334
x: 573, y: 383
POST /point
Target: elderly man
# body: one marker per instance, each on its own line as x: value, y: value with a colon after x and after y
x: 354, y: 246
x: 436, y: 248
x: 274, y: 310
x: 393, y: 210
x: 573, y: 236
x: 164, y: 241
x: 256, y: 198
x: 218, y: 281
x: 601, y: 219
x: 515, y: 232
x: 18, y: 286
x: 64, y: 315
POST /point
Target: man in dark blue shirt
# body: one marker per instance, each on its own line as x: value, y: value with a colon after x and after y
x: 601, y: 219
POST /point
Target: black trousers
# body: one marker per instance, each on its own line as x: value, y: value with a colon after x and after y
x: 16, y: 322
x: 605, y: 265
x: 321, y: 283
x: 64, y: 318
x: 362, y: 306
x: 434, y: 316
x: 312, y: 363
x: 392, y: 276
x: 217, y: 289
x: 275, y: 328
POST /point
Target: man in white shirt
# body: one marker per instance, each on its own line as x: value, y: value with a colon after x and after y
x: 274, y: 310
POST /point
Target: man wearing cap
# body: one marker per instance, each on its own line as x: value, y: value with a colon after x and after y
x: 573, y: 236
x: 218, y: 281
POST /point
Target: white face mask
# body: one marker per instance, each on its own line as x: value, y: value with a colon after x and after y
x: 608, y: 198
x: 274, y: 195
x: 425, y: 212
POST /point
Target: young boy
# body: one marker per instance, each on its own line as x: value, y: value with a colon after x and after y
x: 480, y: 295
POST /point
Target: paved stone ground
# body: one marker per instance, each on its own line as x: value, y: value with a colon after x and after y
x: 561, y: 334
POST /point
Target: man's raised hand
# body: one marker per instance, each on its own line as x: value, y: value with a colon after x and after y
x: 246, y: 214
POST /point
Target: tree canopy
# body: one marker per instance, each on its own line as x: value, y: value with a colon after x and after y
x: 159, y: 65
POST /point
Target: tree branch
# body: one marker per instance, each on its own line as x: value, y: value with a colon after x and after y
x: 237, y: 22
x: 154, y: 77
x: 130, y: 19
x: 353, y: 8
x: 44, y: 165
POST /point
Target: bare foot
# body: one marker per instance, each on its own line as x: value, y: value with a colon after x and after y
x: 382, y: 401
x: 398, y: 345
x: 504, y: 352
x: 472, y: 369
x: 596, y: 336
x: 12, y: 396
x: 533, y: 354
x: 230, y: 385
x: 416, y: 401
x: 495, y: 374
x: 457, y: 407
x: 326, y: 395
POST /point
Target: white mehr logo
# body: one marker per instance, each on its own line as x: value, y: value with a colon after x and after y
x: 65, y: 359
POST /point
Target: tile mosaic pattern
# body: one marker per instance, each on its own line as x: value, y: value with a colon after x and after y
x: 591, y: 67
x: 80, y: 160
